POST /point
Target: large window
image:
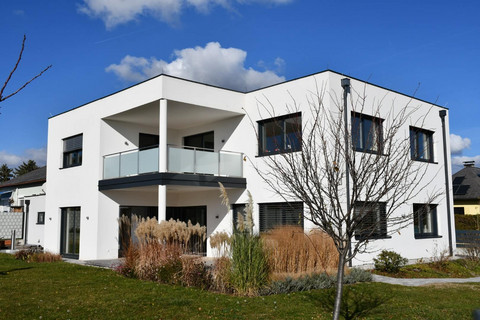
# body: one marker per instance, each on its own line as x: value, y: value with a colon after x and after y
x: 425, y: 220
x: 371, y: 220
x: 280, y: 214
x: 421, y: 144
x: 281, y: 134
x: 367, y: 133
x: 202, y: 140
x: 72, y: 151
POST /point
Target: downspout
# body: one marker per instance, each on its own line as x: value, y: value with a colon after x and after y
x: 442, y: 114
x: 346, y: 90
x: 27, y: 209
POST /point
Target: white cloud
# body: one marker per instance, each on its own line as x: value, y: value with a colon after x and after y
x: 115, y: 12
x: 13, y: 160
x: 211, y: 64
x: 458, y: 144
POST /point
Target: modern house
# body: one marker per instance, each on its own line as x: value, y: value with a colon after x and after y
x: 22, y: 207
x: 466, y: 189
x: 159, y: 148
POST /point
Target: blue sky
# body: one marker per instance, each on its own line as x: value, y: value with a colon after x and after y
x: 97, y: 47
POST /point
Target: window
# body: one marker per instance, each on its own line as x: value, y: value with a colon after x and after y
x: 367, y: 134
x: 371, y: 220
x: 203, y: 140
x: 459, y: 210
x: 281, y: 134
x: 147, y: 141
x: 421, y: 144
x: 40, y: 217
x: 280, y: 214
x: 72, y: 151
x: 425, y: 220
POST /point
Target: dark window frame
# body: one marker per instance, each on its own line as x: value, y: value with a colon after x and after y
x: 72, y: 157
x: 376, y: 212
x: 280, y: 125
x: 287, y: 215
x: 419, y: 216
x: 416, y: 154
x: 361, y: 141
x: 41, y: 217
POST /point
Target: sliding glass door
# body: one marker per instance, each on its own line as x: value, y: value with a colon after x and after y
x: 70, y: 236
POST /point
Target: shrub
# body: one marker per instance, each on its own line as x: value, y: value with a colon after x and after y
x: 472, y: 253
x: 467, y: 222
x: 250, y: 270
x: 221, y: 274
x: 294, y: 252
x: 357, y: 275
x: 195, y: 273
x: 389, y: 261
x: 24, y: 254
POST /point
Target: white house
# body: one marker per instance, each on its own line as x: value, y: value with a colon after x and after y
x: 159, y: 148
x: 22, y: 207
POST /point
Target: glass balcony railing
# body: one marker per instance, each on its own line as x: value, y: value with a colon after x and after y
x: 180, y: 159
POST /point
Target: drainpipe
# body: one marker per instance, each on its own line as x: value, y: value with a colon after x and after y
x: 442, y: 114
x: 27, y: 209
x: 346, y: 90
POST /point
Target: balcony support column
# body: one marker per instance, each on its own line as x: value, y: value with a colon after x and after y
x: 162, y: 159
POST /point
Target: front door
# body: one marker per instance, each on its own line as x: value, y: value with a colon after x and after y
x: 70, y: 236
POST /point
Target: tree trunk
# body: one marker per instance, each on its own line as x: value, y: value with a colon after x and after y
x: 338, y: 296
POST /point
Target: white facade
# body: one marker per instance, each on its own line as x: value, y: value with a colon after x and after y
x: 173, y: 109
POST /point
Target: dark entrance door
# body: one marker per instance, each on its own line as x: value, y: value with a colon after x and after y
x: 195, y: 215
x: 70, y: 232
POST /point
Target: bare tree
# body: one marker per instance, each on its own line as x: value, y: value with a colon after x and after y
x: 2, y: 97
x: 355, y: 174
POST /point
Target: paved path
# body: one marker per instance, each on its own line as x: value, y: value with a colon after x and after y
x: 422, y: 281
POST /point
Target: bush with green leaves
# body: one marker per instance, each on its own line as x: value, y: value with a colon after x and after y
x: 389, y: 261
x: 357, y: 275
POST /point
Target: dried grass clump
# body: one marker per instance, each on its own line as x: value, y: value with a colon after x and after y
x: 35, y: 255
x: 174, y: 232
x: 294, y: 252
x: 221, y: 242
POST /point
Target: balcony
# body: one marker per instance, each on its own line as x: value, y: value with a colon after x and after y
x: 181, y: 159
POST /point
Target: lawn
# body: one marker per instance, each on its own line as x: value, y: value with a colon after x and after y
x: 461, y: 268
x: 65, y: 291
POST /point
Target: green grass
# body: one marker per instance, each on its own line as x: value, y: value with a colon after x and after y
x: 65, y: 291
x: 460, y: 268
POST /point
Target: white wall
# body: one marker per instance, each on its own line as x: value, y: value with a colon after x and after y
x: 35, y: 232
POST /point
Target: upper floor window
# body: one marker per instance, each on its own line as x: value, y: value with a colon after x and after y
x: 367, y: 133
x: 72, y: 151
x: 371, y: 220
x: 280, y: 134
x: 421, y: 144
x: 425, y: 220
x: 204, y: 140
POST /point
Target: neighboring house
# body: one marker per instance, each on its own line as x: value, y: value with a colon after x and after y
x: 466, y: 189
x: 159, y: 149
x: 22, y: 207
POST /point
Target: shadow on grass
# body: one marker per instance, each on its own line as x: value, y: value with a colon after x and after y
x: 356, y: 301
x: 6, y: 272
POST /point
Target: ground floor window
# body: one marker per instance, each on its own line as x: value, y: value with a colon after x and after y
x: 280, y: 214
x: 40, y: 217
x: 237, y: 210
x: 371, y: 221
x: 425, y: 220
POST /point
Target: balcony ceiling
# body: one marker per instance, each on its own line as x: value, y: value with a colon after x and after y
x: 180, y: 115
